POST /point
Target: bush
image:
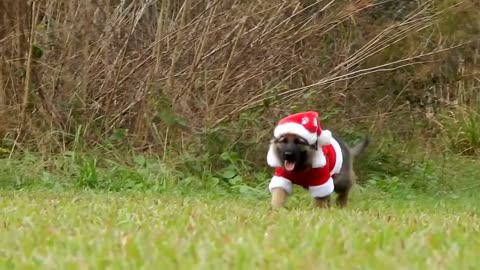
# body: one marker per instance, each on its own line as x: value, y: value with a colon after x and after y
x: 202, y: 83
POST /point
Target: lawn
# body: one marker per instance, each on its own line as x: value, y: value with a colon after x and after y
x: 133, y: 230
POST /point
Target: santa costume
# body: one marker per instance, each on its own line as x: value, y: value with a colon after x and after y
x: 326, y: 161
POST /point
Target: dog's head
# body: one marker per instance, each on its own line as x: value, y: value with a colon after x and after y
x: 294, y: 152
x: 296, y: 142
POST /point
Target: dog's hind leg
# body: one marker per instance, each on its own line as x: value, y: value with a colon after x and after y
x: 346, y: 178
x: 342, y: 199
x: 343, y: 192
x: 343, y: 184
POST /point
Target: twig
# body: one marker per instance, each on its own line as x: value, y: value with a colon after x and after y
x: 28, y: 74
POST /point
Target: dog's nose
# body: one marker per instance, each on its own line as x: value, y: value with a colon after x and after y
x: 288, y: 155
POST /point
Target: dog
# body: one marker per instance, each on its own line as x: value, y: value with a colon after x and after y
x: 304, y: 155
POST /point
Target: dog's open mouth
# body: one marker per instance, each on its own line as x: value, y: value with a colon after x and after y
x: 289, y: 165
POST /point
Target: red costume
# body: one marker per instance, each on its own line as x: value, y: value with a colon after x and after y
x: 325, y: 164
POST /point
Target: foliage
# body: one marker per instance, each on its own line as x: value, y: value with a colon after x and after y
x: 168, y: 72
x: 461, y: 131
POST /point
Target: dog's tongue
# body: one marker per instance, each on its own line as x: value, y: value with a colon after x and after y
x: 289, y: 166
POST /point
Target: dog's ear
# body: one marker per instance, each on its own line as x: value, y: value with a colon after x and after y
x: 272, y: 157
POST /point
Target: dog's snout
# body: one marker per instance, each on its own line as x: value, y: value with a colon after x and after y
x: 288, y: 155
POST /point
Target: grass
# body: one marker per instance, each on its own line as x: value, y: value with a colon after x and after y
x: 137, y: 230
x: 91, y: 210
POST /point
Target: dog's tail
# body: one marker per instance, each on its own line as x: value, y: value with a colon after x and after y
x: 357, y: 149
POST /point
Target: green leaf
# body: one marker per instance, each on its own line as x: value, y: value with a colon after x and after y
x: 225, y: 156
x: 236, y: 180
x: 213, y: 181
x: 227, y: 174
x: 140, y: 160
x: 119, y: 134
x: 20, y: 73
x: 37, y: 52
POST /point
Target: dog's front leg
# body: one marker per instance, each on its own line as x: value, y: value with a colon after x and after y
x: 279, y: 197
x: 323, y: 202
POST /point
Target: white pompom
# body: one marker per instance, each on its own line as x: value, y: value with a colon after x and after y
x: 319, y: 160
x: 324, y: 138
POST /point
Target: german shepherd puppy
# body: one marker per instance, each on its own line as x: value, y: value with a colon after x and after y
x: 296, y: 155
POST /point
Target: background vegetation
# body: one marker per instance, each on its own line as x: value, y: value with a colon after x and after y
x: 148, y: 94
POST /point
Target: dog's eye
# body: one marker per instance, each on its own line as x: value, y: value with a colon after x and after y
x: 298, y: 141
x: 284, y: 140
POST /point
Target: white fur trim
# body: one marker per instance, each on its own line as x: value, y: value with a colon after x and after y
x: 325, y: 137
x: 319, y: 160
x: 338, y: 157
x: 280, y: 182
x: 297, y: 129
x: 272, y: 157
x: 322, y: 190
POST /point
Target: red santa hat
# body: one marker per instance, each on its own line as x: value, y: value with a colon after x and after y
x: 306, y: 126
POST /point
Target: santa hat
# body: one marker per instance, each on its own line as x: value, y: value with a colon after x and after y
x: 306, y: 126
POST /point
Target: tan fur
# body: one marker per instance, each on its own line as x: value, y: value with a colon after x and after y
x: 279, y: 197
x: 291, y: 138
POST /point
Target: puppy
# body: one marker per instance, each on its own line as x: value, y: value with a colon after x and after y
x: 303, y: 154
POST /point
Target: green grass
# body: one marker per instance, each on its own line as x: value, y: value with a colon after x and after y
x: 137, y: 230
x: 90, y: 212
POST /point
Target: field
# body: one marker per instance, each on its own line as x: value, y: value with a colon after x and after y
x: 132, y: 230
